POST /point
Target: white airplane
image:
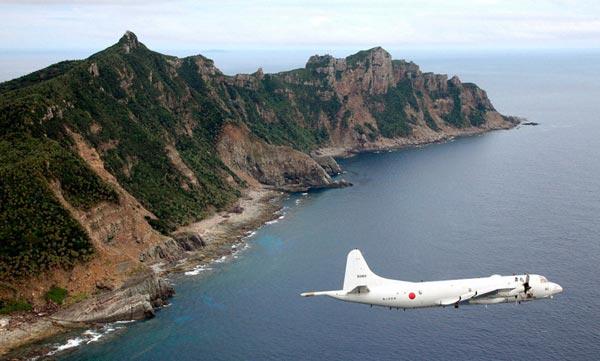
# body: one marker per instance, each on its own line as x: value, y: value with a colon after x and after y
x: 361, y: 285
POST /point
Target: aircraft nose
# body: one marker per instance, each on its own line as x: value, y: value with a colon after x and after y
x: 557, y: 288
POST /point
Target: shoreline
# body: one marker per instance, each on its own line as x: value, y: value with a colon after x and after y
x: 23, y: 336
x: 219, y: 234
x: 225, y: 229
x: 442, y: 136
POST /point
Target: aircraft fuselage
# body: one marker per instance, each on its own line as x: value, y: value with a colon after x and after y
x: 361, y: 285
x: 401, y: 294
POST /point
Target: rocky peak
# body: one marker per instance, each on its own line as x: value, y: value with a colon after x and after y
x: 374, y: 67
x: 379, y: 52
x: 259, y: 74
x: 317, y: 61
x: 455, y: 81
x: 366, y: 57
x: 129, y: 41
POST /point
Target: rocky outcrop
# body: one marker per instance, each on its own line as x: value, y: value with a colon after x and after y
x: 193, y: 241
x: 368, y: 70
x: 129, y: 41
x: 278, y: 166
x: 384, y: 101
x: 136, y: 300
x: 328, y: 163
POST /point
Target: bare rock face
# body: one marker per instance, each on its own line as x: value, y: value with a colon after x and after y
x: 172, y: 249
x: 369, y: 71
x: 379, y: 96
x: 328, y: 163
x: 190, y: 241
x: 278, y: 166
x: 129, y: 41
x: 134, y: 301
x: 378, y: 71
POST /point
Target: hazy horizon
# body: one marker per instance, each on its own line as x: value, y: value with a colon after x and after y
x: 37, y: 33
x: 17, y: 63
x: 186, y: 24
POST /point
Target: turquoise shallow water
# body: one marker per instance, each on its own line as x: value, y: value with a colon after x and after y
x: 524, y: 200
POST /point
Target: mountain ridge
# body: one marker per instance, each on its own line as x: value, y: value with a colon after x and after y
x: 137, y: 144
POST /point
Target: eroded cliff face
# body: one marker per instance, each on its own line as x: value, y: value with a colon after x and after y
x: 279, y: 166
x: 120, y: 233
x: 136, y: 301
x: 154, y: 142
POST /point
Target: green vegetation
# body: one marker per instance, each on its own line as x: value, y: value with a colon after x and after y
x: 134, y: 123
x: 36, y: 232
x: 429, y: 120
x: 295, y: 121
x: 360, y: 57
x: 75, y: 298
x: 40, y: 75
x: 11, y: 306
x: 345, y: 118
x: 393, y: 120
x: 56, y: 295
x: 477, y: 117
x: 456, y: 116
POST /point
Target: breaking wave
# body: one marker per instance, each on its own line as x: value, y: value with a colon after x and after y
x: 197, y: 270
x: 88, y: 336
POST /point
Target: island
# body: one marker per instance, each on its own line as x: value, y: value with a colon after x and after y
x: 120, y: 167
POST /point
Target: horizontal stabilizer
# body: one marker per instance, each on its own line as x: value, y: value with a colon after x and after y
x: 359, y: 289
x: 319, y: 293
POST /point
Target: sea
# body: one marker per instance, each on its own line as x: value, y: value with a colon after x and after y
x: 514, y: 201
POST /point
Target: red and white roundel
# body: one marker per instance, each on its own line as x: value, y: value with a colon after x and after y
x: 412, y: 295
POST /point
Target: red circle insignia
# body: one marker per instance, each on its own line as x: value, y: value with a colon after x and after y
x: 412, y: 295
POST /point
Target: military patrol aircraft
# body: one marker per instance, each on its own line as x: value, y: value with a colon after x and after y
x: 361, y: 285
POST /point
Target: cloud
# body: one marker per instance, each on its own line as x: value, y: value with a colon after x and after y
x: 187, y: 24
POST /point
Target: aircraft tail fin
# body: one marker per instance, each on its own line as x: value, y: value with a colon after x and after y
x: 358, y: 273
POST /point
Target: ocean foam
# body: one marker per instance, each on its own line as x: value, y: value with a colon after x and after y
x: 88, y: 336
x: 197, y: 270
x: 72, y: 342
x: 95, y: 336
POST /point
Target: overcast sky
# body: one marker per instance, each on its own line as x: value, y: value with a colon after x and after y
x: 233, y: 24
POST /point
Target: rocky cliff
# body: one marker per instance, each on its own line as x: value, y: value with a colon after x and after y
x: 275, y: 165
x: 103, y: 158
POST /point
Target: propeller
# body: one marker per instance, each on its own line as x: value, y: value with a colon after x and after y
x: 526, y: 285
x: 523, y: 288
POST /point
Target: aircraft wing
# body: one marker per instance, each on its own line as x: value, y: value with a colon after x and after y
x: 461, y: 298
x: 479, y: 293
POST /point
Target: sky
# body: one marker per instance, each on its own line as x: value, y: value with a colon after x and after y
x: 262, y: 24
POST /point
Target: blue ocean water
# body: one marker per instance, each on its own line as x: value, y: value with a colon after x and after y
x: 523, y: 200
